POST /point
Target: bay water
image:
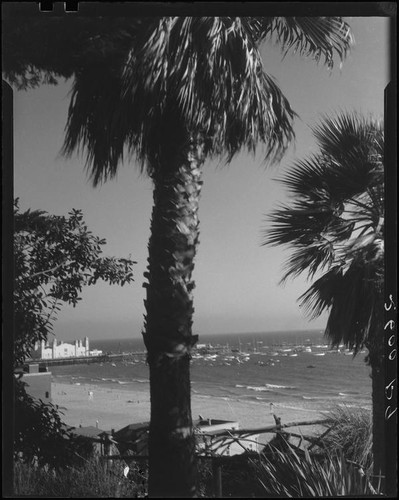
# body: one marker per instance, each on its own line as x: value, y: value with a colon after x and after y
x: 292, y: 369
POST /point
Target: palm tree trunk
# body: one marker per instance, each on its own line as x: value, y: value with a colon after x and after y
x: 379, y: 443
x: 376, y: 360
x: 168, y: 328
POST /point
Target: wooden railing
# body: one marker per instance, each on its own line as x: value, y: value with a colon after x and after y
x: 226, y: 438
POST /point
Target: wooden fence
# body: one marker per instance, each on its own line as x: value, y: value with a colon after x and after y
x: 241, y: 436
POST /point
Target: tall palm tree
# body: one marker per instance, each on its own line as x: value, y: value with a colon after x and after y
x: 335, y: 226
x: 188, y: 89
x: 182, y: 90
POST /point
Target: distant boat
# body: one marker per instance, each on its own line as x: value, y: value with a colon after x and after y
x: 293, y: 355
x: 308, y: 349
x: 320, y: 354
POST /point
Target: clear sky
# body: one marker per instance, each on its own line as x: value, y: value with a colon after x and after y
x: 236, y: 278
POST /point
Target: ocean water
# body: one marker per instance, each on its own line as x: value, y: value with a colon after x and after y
x: 294, y: 369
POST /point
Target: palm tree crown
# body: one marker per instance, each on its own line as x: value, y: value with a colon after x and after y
x: 188, y: 78
x: 335, y: 225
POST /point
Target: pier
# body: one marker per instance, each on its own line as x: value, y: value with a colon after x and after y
x: 103, y: 358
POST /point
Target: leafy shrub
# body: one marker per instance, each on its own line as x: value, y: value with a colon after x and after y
x: 40, y: 436
x: 54, y: 257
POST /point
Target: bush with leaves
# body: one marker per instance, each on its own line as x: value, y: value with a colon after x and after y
x: 54, y: 258
x: 350, y: 433
x: 40, y: 437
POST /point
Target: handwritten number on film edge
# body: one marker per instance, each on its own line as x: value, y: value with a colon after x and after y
x: 389, y: 389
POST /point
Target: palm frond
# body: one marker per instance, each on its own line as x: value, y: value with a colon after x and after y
x: 212, y: 71
x: 352, y: 299
x: 346, y: 135
x: 184, y: 79
x: 334, y: 225
x: 33, y: 44
x: 316, y: 37
x: 320, y: 296
x: 332, y: 197
x: 298, y: 224
x: 311, y: 259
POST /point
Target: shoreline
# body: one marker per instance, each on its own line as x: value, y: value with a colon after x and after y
x: 114, y: 408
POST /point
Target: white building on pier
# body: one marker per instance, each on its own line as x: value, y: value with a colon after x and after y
x: 58, y: 349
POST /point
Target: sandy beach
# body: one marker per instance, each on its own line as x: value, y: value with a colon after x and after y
x: 88, y: 404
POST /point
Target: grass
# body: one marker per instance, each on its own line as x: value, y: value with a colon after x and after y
x: 296, y: 475
x: 351, y: 435
x: 94, y: 479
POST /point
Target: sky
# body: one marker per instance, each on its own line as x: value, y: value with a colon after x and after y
x: 237, y: 279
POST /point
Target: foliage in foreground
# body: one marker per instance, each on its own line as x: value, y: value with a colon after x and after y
x: 93, y: 479
x: 54, y: 258
x: 340, y: 465
x: 39, y: 434
x: 332, y: 470
x: 351, y: 434
x: 296, y: 475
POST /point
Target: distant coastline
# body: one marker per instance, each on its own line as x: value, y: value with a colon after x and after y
x: 291, y: 369
x: 134, y: 344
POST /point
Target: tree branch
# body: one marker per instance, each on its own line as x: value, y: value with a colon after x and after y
x: 46, y: 273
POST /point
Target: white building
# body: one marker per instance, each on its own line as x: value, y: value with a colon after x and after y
x: 59, y: 349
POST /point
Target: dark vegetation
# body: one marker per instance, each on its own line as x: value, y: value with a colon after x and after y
x: 92, y: 479
x: 54, y: 258
x: 340, y: 465
x: 334, y: 226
